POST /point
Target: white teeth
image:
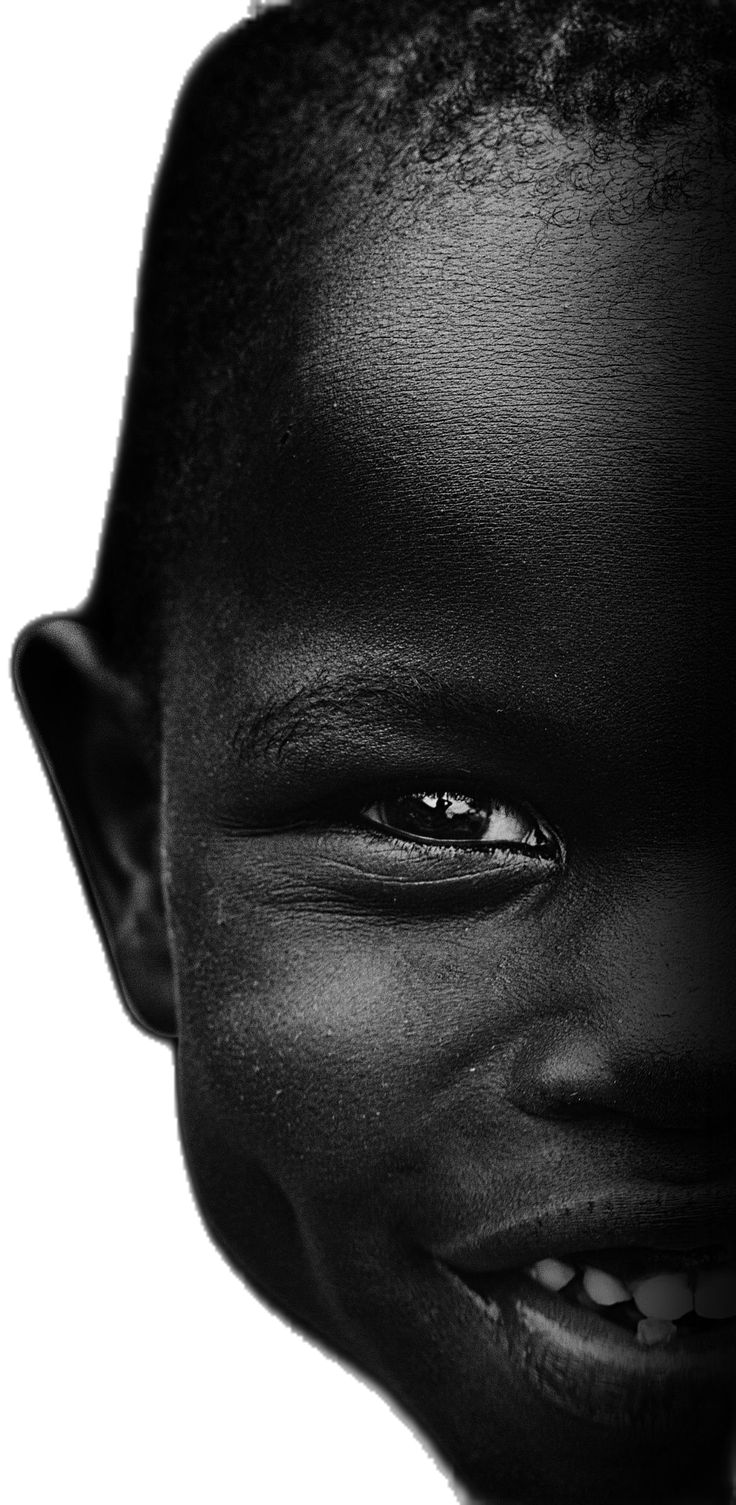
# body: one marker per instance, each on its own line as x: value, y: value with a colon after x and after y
x: 715, y: 1293
x: 666, y: 1296
x: 662, y: 1299
x: 552, y: 1273
x: 651, y: 1331
x: 604, y: 1289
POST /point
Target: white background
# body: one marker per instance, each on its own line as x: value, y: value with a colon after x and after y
x: 135, y: 1366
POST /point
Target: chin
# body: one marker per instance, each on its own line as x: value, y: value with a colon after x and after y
x: 530, y: 1390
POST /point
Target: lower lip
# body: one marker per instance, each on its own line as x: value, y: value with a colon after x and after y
x: 597, y: 1371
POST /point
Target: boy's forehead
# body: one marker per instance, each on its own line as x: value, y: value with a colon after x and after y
x: 494, y: 372
x: 566, y: 339
x: 507, y: 426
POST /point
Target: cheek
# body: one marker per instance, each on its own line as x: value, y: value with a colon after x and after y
x: 338, y: 1051
x: 310, y: 1047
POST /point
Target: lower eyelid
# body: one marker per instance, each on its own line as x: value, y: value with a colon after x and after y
x: 383, y: 834
x: 374, y: 829
x: 550, y: 847
x: 372, y: 870
x: 385, y: 871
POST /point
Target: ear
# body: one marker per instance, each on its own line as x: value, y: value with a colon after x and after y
x: 90, y: 727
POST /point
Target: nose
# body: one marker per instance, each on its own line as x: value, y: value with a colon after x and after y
x: 646, y: 1024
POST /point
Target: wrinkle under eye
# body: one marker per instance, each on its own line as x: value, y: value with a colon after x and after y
x: 449, y: 818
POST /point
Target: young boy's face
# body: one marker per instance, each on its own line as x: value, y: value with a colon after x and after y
x: 447, y: 819
x: 485, y: 555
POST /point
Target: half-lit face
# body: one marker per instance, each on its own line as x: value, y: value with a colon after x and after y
x: 449, y: 834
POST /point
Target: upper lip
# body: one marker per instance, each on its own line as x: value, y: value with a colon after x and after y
x: 618, y: 1220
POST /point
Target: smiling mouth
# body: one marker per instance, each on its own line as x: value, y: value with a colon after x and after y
x: 658, y: 1297
x: 624, y: 1337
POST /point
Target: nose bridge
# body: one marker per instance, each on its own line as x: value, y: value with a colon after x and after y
x: 666, y: 958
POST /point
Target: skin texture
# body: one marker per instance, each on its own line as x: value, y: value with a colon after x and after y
x: 484, y: 545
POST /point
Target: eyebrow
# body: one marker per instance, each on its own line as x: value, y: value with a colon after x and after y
x: 355, y: 702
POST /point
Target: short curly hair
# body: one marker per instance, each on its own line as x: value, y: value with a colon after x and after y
x: 288, y: 119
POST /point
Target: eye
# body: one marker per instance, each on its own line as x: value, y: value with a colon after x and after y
x: 453, y: 819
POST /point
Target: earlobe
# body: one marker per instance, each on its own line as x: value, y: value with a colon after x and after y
x: 93, y: 733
